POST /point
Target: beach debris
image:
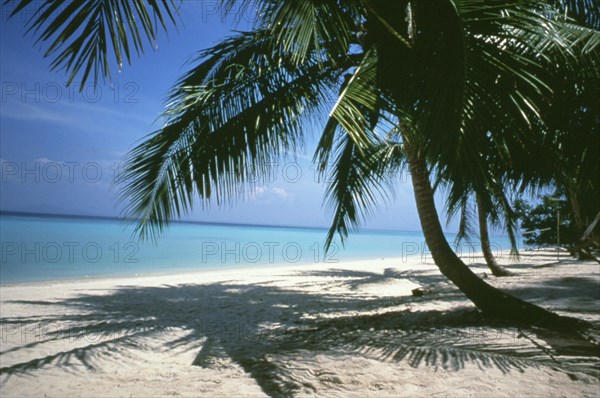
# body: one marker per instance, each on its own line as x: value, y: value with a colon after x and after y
x: 421, y: 291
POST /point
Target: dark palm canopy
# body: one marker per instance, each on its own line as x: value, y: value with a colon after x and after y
x: 454, y: 89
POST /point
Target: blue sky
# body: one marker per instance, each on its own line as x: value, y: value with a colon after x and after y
x: 60, y: 149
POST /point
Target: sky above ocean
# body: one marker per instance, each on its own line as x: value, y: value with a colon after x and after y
x: 62, y: 149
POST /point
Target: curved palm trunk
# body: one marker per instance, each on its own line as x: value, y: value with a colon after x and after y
x: 441, y: 31
x: 577, y: 249
x: 576, y: 207
x: 490, y: 260
x: 487, y: 298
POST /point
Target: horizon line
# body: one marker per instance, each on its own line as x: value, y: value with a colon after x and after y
x: 117, y: 218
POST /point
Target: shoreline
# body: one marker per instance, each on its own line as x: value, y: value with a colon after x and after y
x: 419, y: 258
x: 208, y: 271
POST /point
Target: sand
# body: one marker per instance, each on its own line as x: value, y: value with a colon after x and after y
x: 349, y: 329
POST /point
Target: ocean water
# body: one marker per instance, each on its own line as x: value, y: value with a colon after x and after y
x: 41, y: 248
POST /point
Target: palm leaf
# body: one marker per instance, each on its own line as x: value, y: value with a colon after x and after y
x: 302, y: 26
x: 585, y: 12
x: 229, y: 120
x: 509, y: 59
x: 362, y: 177
x: 85, y: 37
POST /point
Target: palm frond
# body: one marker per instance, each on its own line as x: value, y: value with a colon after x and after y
x: 356, y: 110
x: 361, y: 179
x: 229, y: 120
x: 510, y: 223
x: 425, y: 79
x: 465, y: 228
x: 507, y: 59
x: 302, y: 26
x: 85, y: 37
x: 365, y: 159
x: 584, y: 12
x: 458, y: 202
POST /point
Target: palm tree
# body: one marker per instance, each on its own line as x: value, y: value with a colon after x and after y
x: 566, y: 159
x: 561, y: 155
x: 433, y: 96
x: 574, y: 127
x: 427, y: 75
x: 491, y: 203
x: 486, y: 249
x: 484, y: 210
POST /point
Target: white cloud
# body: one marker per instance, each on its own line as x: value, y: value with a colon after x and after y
x: 282, y: 193
x: 266, y: 195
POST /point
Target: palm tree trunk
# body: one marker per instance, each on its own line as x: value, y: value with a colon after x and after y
x: 576, y: 207
x: 390, y: 49
x: 487, y: 298
x: 490, y: 260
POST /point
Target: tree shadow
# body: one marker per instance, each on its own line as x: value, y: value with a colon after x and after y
x: 532, y: 258
x: 563, y: 286
x: 355, y: 279
x: 569, y: 293
x: 263, y: 328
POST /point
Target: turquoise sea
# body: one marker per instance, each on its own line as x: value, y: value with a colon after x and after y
x: 41, y: 248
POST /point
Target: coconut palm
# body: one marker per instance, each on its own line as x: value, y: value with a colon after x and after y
x: 486, y: 249
x: 560, y: 155
x: 421, y: 81
x: 484, y: 210
x: 488, y: 191
x: 434, y: 110
x: 574, y: 127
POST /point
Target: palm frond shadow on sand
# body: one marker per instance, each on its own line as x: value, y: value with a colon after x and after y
x: 273, y: 331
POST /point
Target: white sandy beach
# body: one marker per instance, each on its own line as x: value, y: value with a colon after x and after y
x: 347, y: 329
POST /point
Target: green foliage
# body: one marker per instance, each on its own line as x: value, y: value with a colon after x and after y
x: 542, y: 218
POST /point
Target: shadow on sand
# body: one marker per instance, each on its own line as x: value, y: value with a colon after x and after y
x: 271, y: 326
